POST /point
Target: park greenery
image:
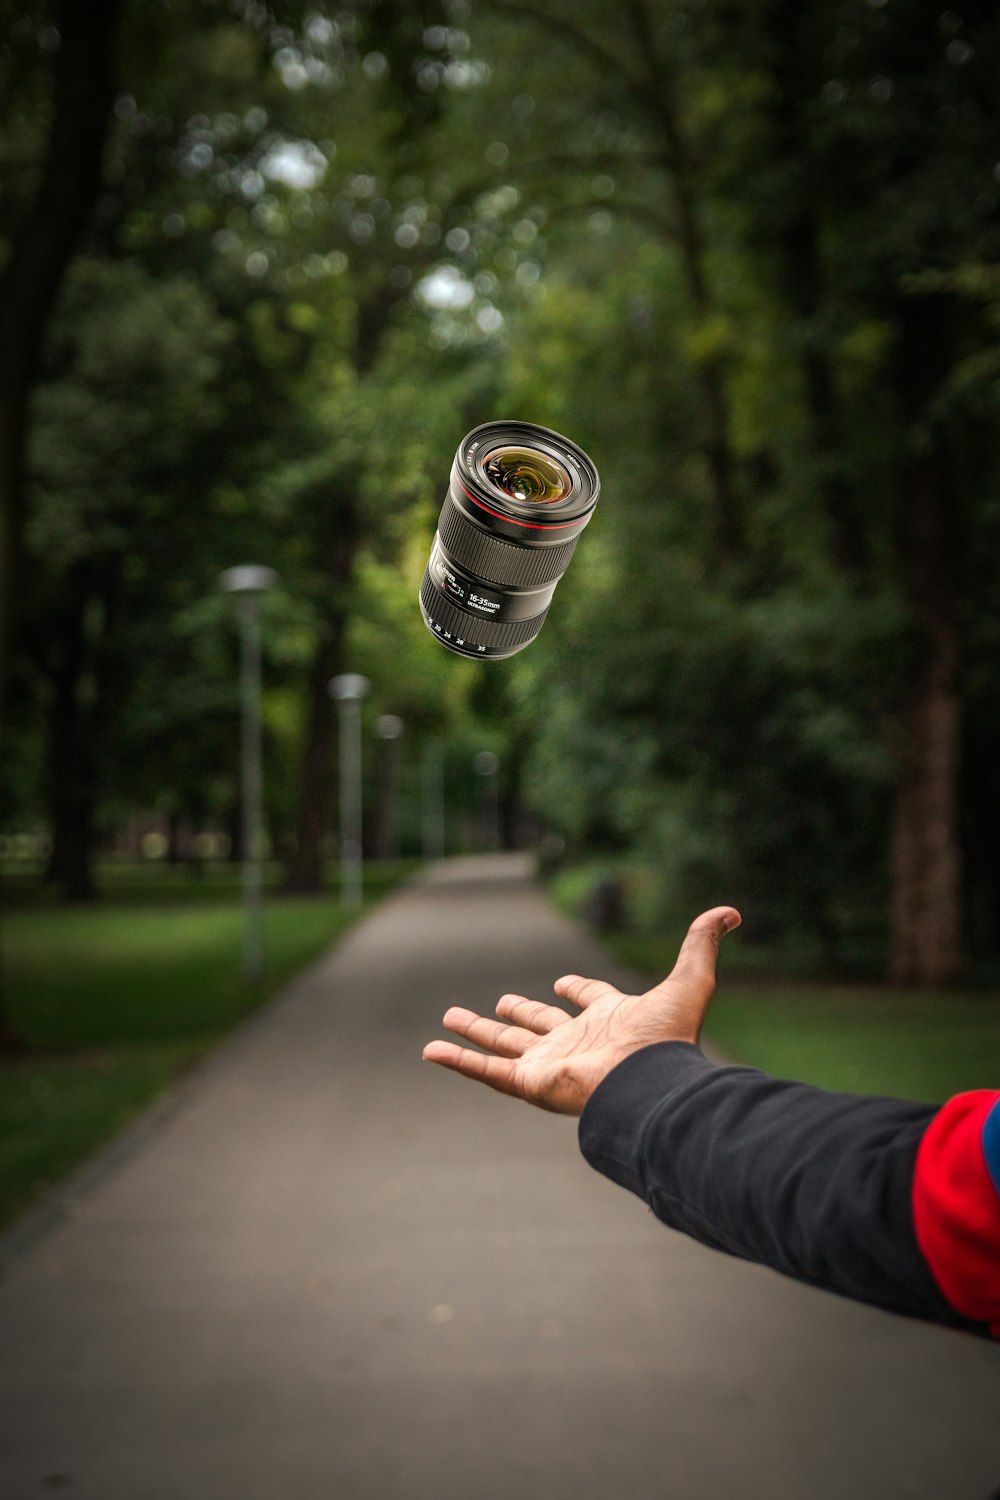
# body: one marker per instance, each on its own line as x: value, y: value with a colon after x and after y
x: 266, y: 263
x: 113, y: 1003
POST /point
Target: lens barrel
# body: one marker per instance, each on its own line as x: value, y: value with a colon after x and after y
x: 518, y: 499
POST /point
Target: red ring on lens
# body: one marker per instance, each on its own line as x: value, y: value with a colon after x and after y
x: 534, y: 525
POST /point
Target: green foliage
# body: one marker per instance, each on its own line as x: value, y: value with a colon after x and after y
x: 735, y: 722
x: 134, y: 365
x: 697, y: 241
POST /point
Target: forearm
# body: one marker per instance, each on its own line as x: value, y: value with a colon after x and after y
x: 816, y: 1185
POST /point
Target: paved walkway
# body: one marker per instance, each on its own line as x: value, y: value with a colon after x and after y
x: 333, y: 1272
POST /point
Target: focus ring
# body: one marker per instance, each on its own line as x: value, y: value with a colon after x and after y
x: 470, y: 628
x: 496, y: 561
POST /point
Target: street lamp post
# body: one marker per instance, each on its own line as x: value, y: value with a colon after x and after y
x: 348, y: 691
x: 486, y: 765
x: 432, y: 800
x: 249, y: 582
x: 389, y: 729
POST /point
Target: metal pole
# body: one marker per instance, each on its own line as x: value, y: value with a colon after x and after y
x: 348, y: 689
x: 349, y: 711
x: 486, y: 765
x: 389, y: 729
x: 249, y: 581
x: 390, y: 794
x: 493, y: 811
x: 253, y: 940
x: 433, y: 800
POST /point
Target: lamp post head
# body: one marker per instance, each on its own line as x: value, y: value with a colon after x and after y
x: 250, y: 578
x: 389, y: 727
x: 486, y: 763
x: 348, y: 687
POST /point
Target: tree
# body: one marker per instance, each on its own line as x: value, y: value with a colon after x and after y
x: 821, y: 184
x: 876, y: 196
x: 43, y: 243
x: 121, y: 420
x: 178, y: 428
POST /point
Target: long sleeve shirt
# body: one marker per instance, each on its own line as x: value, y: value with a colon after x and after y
x: 883, y: 1200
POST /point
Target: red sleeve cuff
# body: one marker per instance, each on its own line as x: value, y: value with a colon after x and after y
x: 956, y: 1207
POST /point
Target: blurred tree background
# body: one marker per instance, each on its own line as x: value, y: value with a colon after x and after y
x: 747, y: 254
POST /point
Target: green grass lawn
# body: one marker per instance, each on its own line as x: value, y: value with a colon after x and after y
x: 115, y: 999
x: 866, y: 1041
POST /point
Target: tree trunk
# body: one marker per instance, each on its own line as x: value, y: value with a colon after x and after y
x: 655, y: 94
x: 233, y: 821
x: 926, y: 940
x: 511, y: 806
x: 307, y: 865
x: 84, y: 89
x: 384, y: 838
x: 926, y: 903
x: 174, y: 855
x: 306, y: 868
x: 803, y: 281
x: 709, y: 371
x: 71, y: 762
x: 651, y: 88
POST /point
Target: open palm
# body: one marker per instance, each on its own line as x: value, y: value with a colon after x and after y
x: 541, y: 1054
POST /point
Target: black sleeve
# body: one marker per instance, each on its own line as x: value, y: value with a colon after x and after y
x: 814, y: 1184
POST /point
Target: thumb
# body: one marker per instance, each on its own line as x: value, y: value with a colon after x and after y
x: 697, y: 959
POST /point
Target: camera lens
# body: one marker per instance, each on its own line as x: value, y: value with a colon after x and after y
x: 518, y: 499
x: 527, y: 476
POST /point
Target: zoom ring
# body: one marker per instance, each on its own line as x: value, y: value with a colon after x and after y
x: 496, y: 561
x: 497, y: 635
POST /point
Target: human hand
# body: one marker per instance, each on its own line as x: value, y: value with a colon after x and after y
x: 555, y: 1060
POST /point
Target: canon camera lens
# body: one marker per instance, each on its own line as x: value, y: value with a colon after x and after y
x: 518, y: 499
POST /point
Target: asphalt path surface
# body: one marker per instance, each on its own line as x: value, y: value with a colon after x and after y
x: 330, y: 1271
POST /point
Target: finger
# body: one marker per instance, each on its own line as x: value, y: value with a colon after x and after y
x: 537, y: 1017
x: 699, y: 954
x: 506, y: 1041
x: 583, y: 992
x: 498, y: 1072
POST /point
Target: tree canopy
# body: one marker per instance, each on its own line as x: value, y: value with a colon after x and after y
x: 747, y: 256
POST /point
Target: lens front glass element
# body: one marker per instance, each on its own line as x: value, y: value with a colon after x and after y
x: 528, y: 476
